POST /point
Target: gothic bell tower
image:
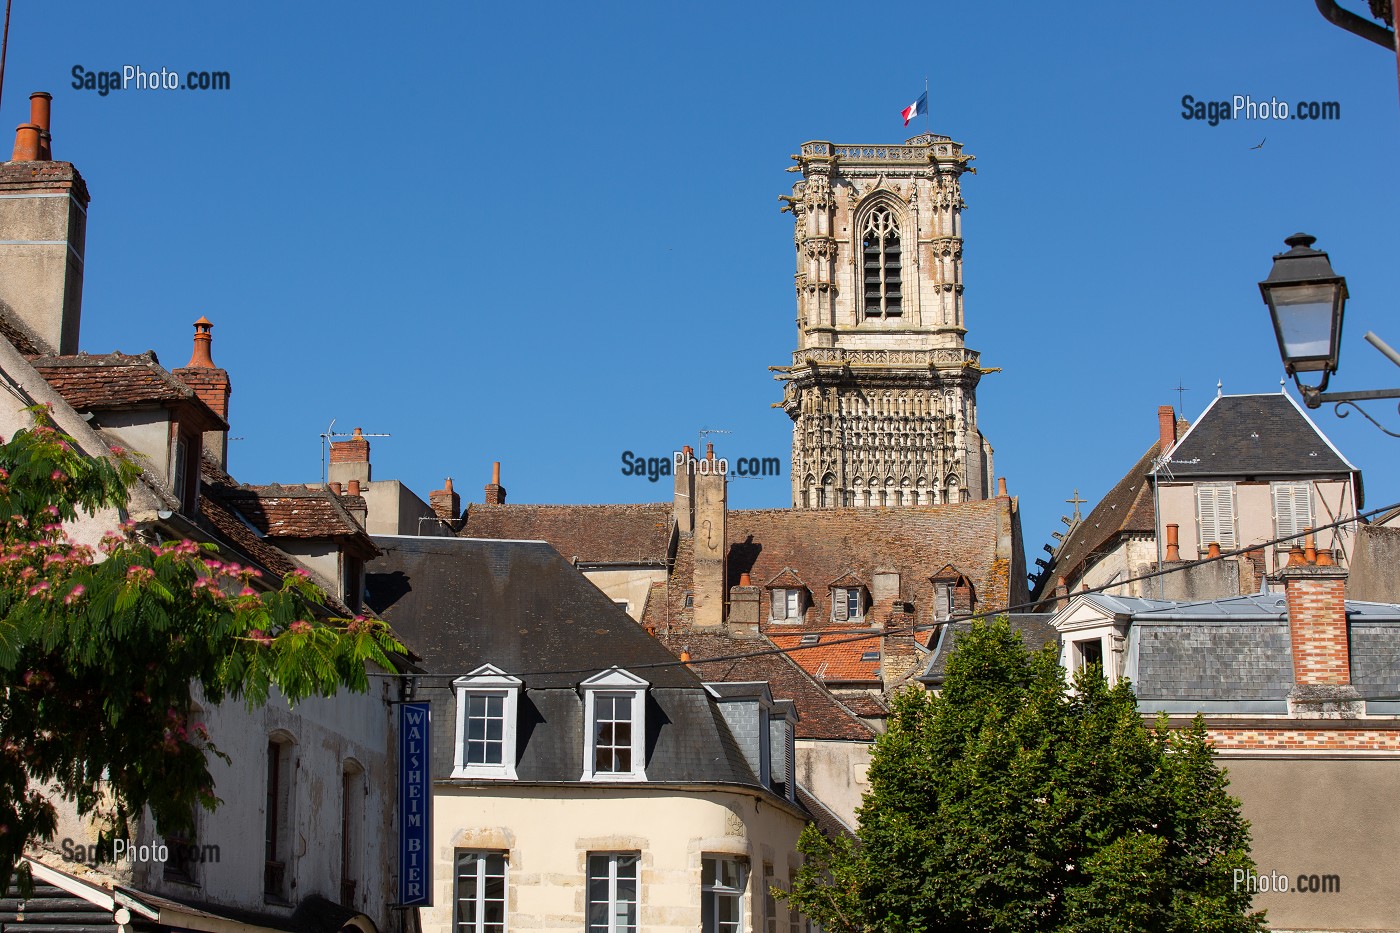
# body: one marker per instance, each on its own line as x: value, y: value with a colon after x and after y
x: 882, y: 392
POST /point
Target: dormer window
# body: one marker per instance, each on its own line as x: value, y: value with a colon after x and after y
x: 847, y: 603
x: 953, y: 594
x: 488, y: 701
x: 787, y: 604
x: 614, y: 713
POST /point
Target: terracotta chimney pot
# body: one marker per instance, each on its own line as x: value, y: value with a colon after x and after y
x: 26, y: 143
x: 1213, y: 550
x: 335, y: 488
x: 1324, y: 558
x: 1309, y: 548
x: 709, y: 451
x: 685, y: 656
x: 354, y: 483
x: 496, y: 472
x: 1296, y: 557
x: 744, y: 580
x: 1173, y: 548
x: 40, y: 103
x: 1001, y: 486
x: 202, y: 358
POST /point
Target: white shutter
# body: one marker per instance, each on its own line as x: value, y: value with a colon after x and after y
x: 1215, y: 514
x: 1292, y: 511
x: 779, y: 604
x: 838, y: 605
x: 794, y: 603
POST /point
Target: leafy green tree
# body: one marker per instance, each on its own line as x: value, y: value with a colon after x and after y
x: 1010, y: 803
x: 100, y: 653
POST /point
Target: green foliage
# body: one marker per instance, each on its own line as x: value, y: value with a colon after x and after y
x: 1010, y: 803
x: 100, y: 653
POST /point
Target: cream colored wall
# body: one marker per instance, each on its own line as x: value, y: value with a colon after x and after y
x: 549, y: 831
x: 835, y: 773
x: 632, y: 584
x: 1254, y: 516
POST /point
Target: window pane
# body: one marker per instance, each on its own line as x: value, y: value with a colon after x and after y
x: 476, y: 729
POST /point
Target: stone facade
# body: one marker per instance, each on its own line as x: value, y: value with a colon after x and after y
x: 882, y: 391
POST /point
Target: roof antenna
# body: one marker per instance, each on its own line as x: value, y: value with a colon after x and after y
x: 330, y: 435
x: 4, y: 45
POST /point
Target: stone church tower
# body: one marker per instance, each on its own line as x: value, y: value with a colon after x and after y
x: 881, y: 391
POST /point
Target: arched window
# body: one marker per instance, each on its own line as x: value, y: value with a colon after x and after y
x: 880, y: 250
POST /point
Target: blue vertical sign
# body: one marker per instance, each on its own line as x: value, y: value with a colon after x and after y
x: 415, y: 805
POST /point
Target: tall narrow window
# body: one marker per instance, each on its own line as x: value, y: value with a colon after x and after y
x: 880, y: 251
x: 613, y: 746
x: 352, y: 799
x: 1292, y: 511
x: 1215, y: 514
x: 614, y: 708
x: 277, y: 828
x: 722, y: 895
x: 481, y: 892
x: 488, y: 702
x: 612, y: 893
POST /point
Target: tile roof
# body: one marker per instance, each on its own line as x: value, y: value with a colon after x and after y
x: 592, y: 534
x: 1249, y: 435
x: 118, y: 381
x: 14, y: 330
x: 837, y: 657
x: 298, y: 511
x: 820, y: 715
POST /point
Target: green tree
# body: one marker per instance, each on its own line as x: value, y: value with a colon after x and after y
x: 1010, y: 803
x: 100, y: 653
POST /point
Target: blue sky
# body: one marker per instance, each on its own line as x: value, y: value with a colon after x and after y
x: 548, y: 233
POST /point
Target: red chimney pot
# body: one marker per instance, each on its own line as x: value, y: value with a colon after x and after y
x: 26, y: 143
x: 1173, y: 549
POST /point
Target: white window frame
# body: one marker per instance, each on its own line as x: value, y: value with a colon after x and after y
x: 1286, y: 497
x: 794, y: 604
x: 1080, y: 662
x: 1216, y: 493
x: 841, y: 595
x: 479, y: 897
x: 612, y: 925
x: 614, y: 682
x: 711, y: 892
x: 488, y: 681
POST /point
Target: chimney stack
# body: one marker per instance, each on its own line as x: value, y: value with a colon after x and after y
x: 495, y: 492
x: 446, y: 503
x: 1166, y: 429
x: 1173, y: 549
x: 711, y: 542
x: 683, y: 502
x: 350, y: 459
x: 1001, y: 487
x: 211, y: 384
x: 1317, y: 625
x: 43, y: 208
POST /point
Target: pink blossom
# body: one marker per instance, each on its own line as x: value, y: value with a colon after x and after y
x: 259, y: 636
x: 38, y: 588
x: 58, y: 476
x: 300, y: 627
x: 247, y: 591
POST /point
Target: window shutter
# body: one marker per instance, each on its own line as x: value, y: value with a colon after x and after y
x: 839, y: 604
x: 779, y: 604
x: 1215, y: 511
x: 1292, y: 511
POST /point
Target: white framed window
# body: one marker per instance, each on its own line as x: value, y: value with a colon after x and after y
x: 787, y: 604
x: 488, y: 701
x: 722, y: 895
x: 612, y: 892
x: 614, y: 710
x: 1292, y: 511
x: 480, y: 896
x: 847, y: 604
x: 1088, y: 654
x: 1215, y: 514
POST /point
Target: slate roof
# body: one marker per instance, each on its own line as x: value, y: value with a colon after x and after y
x: 592, y: 534
x: 820, y: 715
x: 520, y: 606
x: 116, y: 381
x: 1255, y: 435
x: 1035, y: 628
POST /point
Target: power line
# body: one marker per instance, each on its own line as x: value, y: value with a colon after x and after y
x: 929, y: 626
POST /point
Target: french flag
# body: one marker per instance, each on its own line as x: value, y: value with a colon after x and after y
x: 917, y: 107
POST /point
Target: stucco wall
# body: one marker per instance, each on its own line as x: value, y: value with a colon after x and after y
x: 548, y: 832
x: 1375, y: 566
x: 145, y: 433
x: 835, y: 773
x: 1254, y: 516
x: 631, y: 584
x: 1325, y: 817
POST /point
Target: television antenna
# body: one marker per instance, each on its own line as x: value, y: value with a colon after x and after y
x: 329, y: 435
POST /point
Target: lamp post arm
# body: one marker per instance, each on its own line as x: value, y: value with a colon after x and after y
x: 1384, y: 347
x: 1355, y: 24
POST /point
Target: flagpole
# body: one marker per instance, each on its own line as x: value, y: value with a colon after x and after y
x: 927, y: 118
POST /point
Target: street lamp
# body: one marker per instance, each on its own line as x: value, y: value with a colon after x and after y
x: 1306, y: 300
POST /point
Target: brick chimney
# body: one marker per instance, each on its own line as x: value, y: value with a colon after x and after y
x: 211, y: 384
x: 711, y: 539
x: 350, y: 459
x: 445, y: 502
x: 43, y: 209
x: 1317, y: 626
x: 495, y: 492
x: 1166, y: 429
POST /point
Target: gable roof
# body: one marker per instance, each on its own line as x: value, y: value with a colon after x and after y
x: 116, y: 381
x: 297, y: 511
x: 590, y: 534
x: 1249, y: 435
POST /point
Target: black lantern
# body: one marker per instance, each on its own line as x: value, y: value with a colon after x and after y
x: 1306, y: 300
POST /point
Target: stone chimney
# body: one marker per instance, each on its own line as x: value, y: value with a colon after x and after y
x: 1317, y: 626
x: 355, y: 504
x: 711, y: 538
x: 1166, y: 429
x: 495, y: 492
x: 350, y: 459
x: 683, y: 508
x: 211, y: 384
x: 744, y: 603
x: 43, y: 211
x: 445, y: 502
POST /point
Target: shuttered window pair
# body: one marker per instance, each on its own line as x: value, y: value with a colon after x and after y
x: 1215, y: 515
x: 845, y: 604
x: 1292, y: 511
x: 787, y: 605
